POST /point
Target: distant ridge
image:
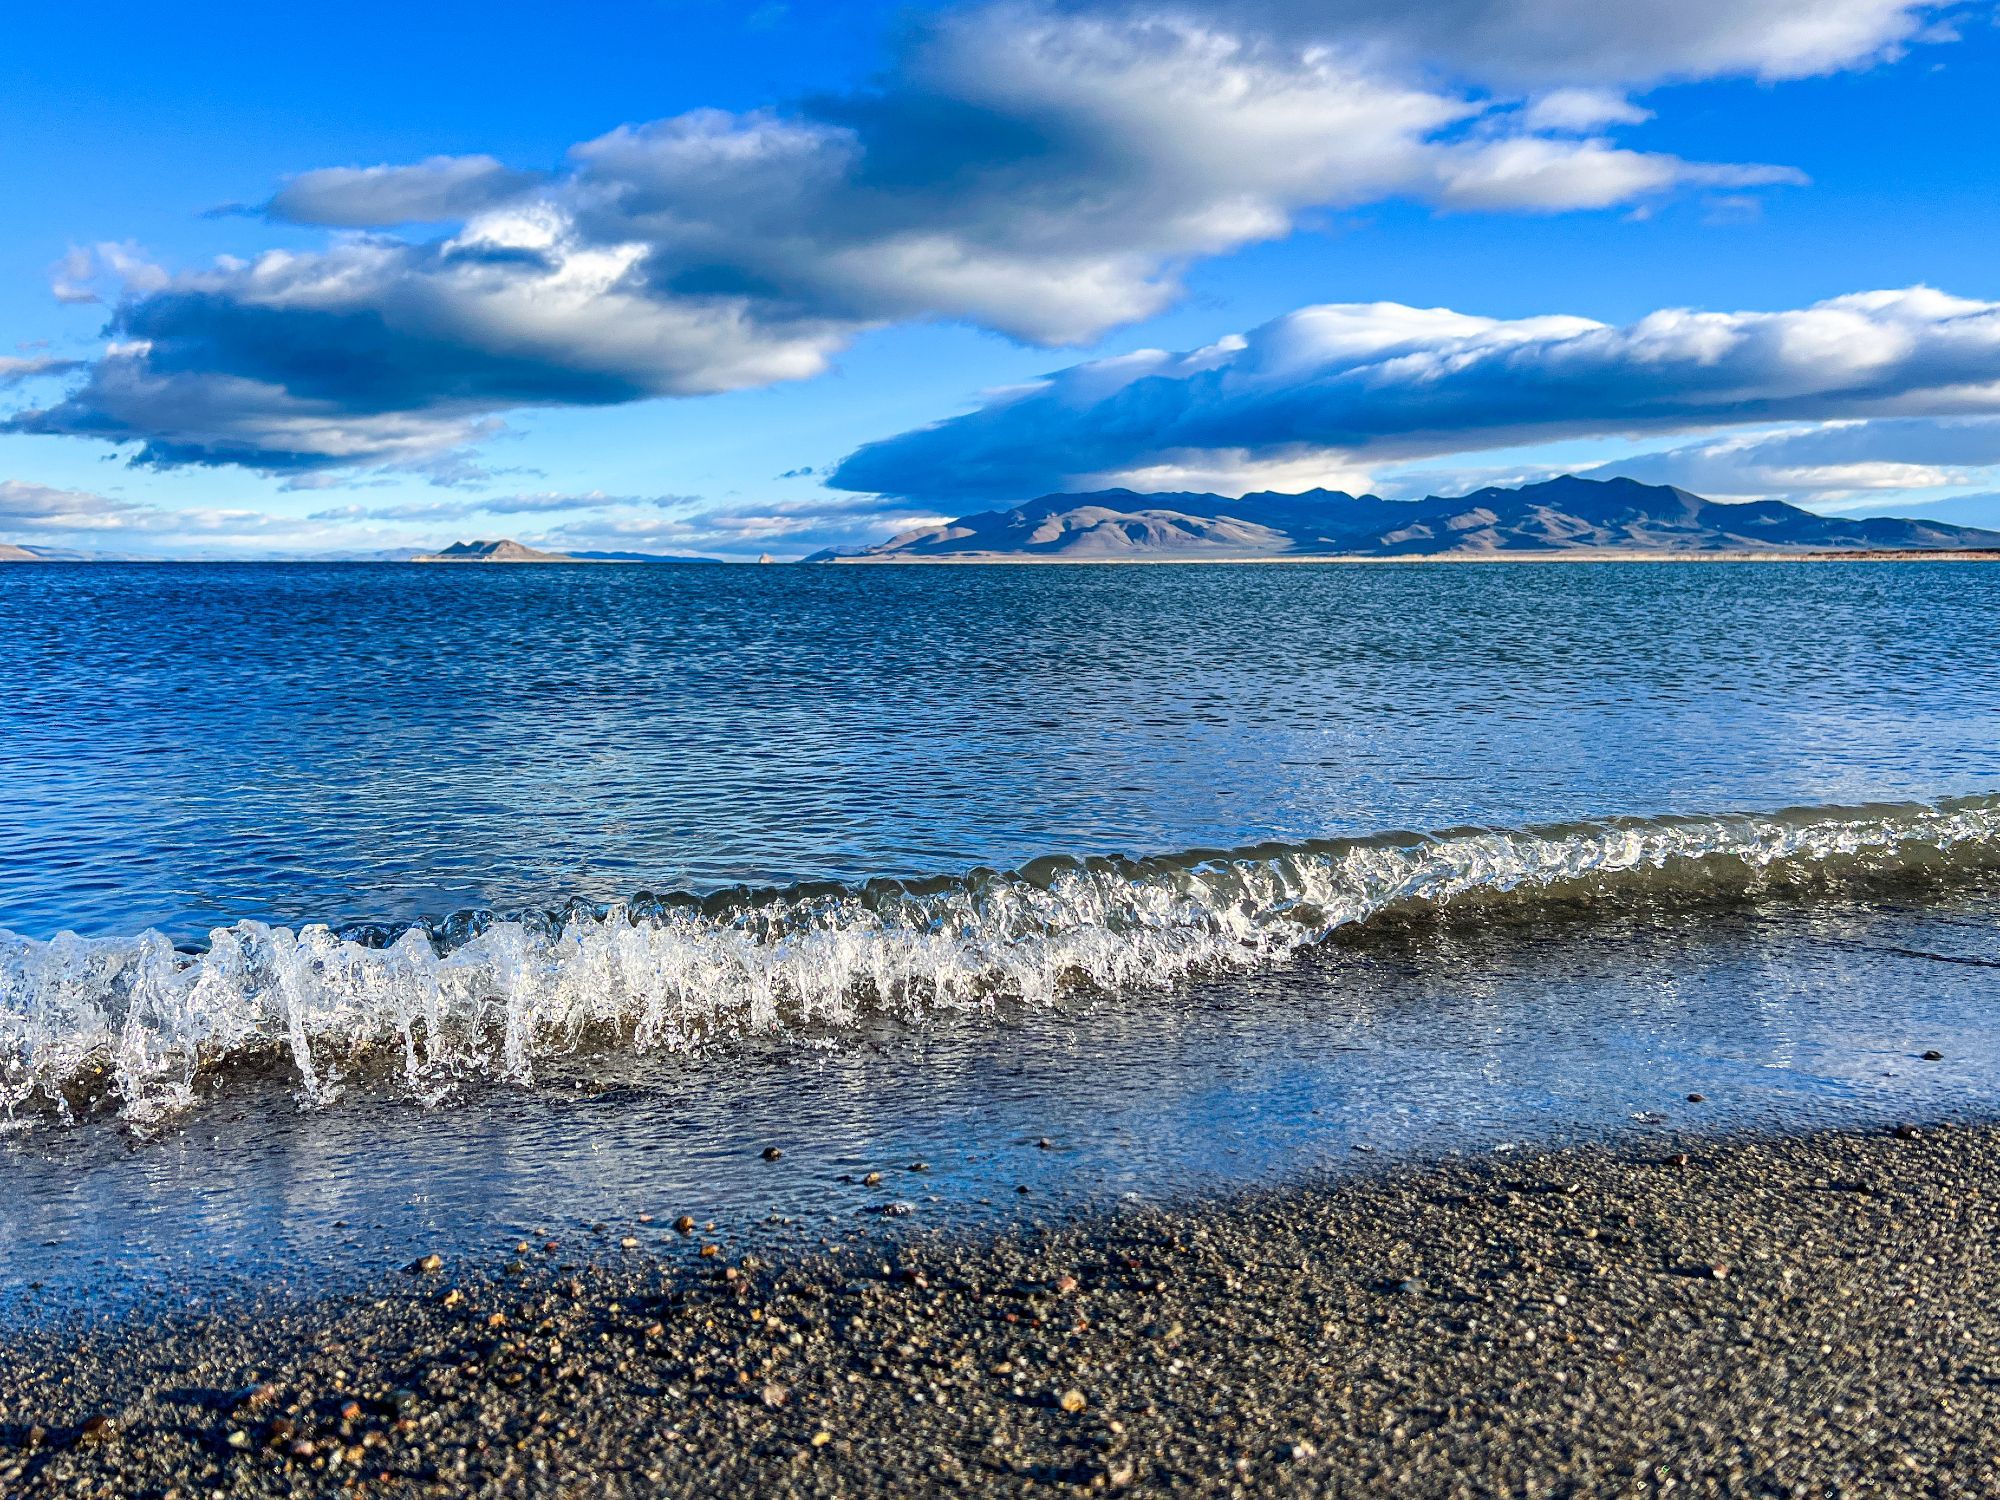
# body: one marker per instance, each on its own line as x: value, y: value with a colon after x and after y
x: 1567, y: 516
x: 491, y: 552
x: 35, y: 552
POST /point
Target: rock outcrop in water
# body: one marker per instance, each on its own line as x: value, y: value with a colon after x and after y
x: 1564, y: 516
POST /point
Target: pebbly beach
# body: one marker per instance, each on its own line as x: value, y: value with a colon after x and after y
x: 1769, y: 1315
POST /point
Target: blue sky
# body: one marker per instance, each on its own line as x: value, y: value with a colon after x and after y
x: 692, y: 277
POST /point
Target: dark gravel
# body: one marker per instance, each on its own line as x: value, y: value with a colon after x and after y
x: 1808, y: 1317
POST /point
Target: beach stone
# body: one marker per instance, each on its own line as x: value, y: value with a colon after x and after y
x: 685, y: 1224
x: 97, y: 1429
x: 772, y: 1153
x: 1908, y: 1133
x: 1697, y: 1098
x: 1933, y: 1055
x: 424, y: 1265
x: 1072, y: 1400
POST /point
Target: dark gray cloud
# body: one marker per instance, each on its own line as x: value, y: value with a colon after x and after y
x: 1043, y: 174
x: 1327, y: 388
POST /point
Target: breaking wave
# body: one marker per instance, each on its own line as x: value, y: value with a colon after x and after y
x: 135, y: 1026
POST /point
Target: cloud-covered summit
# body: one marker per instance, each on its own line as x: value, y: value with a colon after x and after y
x: 1045, y: 173
x: 1325, y: 388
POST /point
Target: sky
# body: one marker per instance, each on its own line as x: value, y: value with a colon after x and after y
x: 685, y: 277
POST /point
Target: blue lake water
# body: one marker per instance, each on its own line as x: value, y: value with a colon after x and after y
x: 562, y: 889
x: 184, y: 747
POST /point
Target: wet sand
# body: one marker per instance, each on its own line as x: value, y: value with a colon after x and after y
x: 1781, y: 1316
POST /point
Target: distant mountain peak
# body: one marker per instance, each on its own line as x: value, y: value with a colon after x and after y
x: 1568, y: 515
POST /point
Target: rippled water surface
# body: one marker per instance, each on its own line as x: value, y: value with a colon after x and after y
x: 183, y: 747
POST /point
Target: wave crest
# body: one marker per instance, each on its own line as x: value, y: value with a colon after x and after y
x: 133, y: 1025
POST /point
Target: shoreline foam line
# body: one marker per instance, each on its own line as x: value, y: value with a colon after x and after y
x: 131, y: 1025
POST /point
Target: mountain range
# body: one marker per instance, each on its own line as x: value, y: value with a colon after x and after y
x: 1563, y: 516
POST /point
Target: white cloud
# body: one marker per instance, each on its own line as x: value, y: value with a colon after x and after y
x: 1586, y: 42
x: 1349, y: 384
x: 1829, y: 463
x: 1044, y: 174
x: 782, y: 528
x: 441, y: 187
x: 1582, y: 110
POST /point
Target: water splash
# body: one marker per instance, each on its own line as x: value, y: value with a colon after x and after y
x: 136, y: 1027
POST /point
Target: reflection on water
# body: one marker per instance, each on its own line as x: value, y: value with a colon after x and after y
x: 1471, y: 1038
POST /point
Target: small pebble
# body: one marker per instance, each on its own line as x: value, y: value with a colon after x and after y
x: 1072, y: 1400
x: 1934, y: 1056
x: 772, y: 1153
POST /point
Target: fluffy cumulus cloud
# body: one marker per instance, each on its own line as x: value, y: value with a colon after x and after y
x: 1340, y: 385
x: 1043, y: 173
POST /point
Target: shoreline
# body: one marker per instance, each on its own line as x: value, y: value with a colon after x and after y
x: 1856, y: 555
x: 1867, y: 555
x: 1763, y: 1314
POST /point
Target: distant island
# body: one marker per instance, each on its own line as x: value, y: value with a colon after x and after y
x: 499, y: 552
x: 1568, y: 517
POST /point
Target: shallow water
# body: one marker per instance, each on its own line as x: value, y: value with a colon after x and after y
x: 1477, y: 1036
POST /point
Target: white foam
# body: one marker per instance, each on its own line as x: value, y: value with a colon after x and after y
x: 132, y: 1024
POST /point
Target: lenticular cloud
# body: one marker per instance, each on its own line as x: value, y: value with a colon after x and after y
x: 1382, y: 381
